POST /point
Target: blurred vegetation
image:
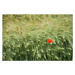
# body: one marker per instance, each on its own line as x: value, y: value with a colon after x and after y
x: 25, y: 37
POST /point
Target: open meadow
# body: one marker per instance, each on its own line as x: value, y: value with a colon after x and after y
x: 25, y: 37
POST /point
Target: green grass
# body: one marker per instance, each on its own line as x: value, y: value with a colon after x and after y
x: 25, y: 37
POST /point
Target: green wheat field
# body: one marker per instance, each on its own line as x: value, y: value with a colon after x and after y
x: 25, y: 37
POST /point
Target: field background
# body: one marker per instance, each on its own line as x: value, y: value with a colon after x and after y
x: 25, y: 37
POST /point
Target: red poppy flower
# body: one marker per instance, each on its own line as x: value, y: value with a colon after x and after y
x: 49, y: 40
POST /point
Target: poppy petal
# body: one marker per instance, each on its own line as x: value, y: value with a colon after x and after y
x: 49, y: 41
